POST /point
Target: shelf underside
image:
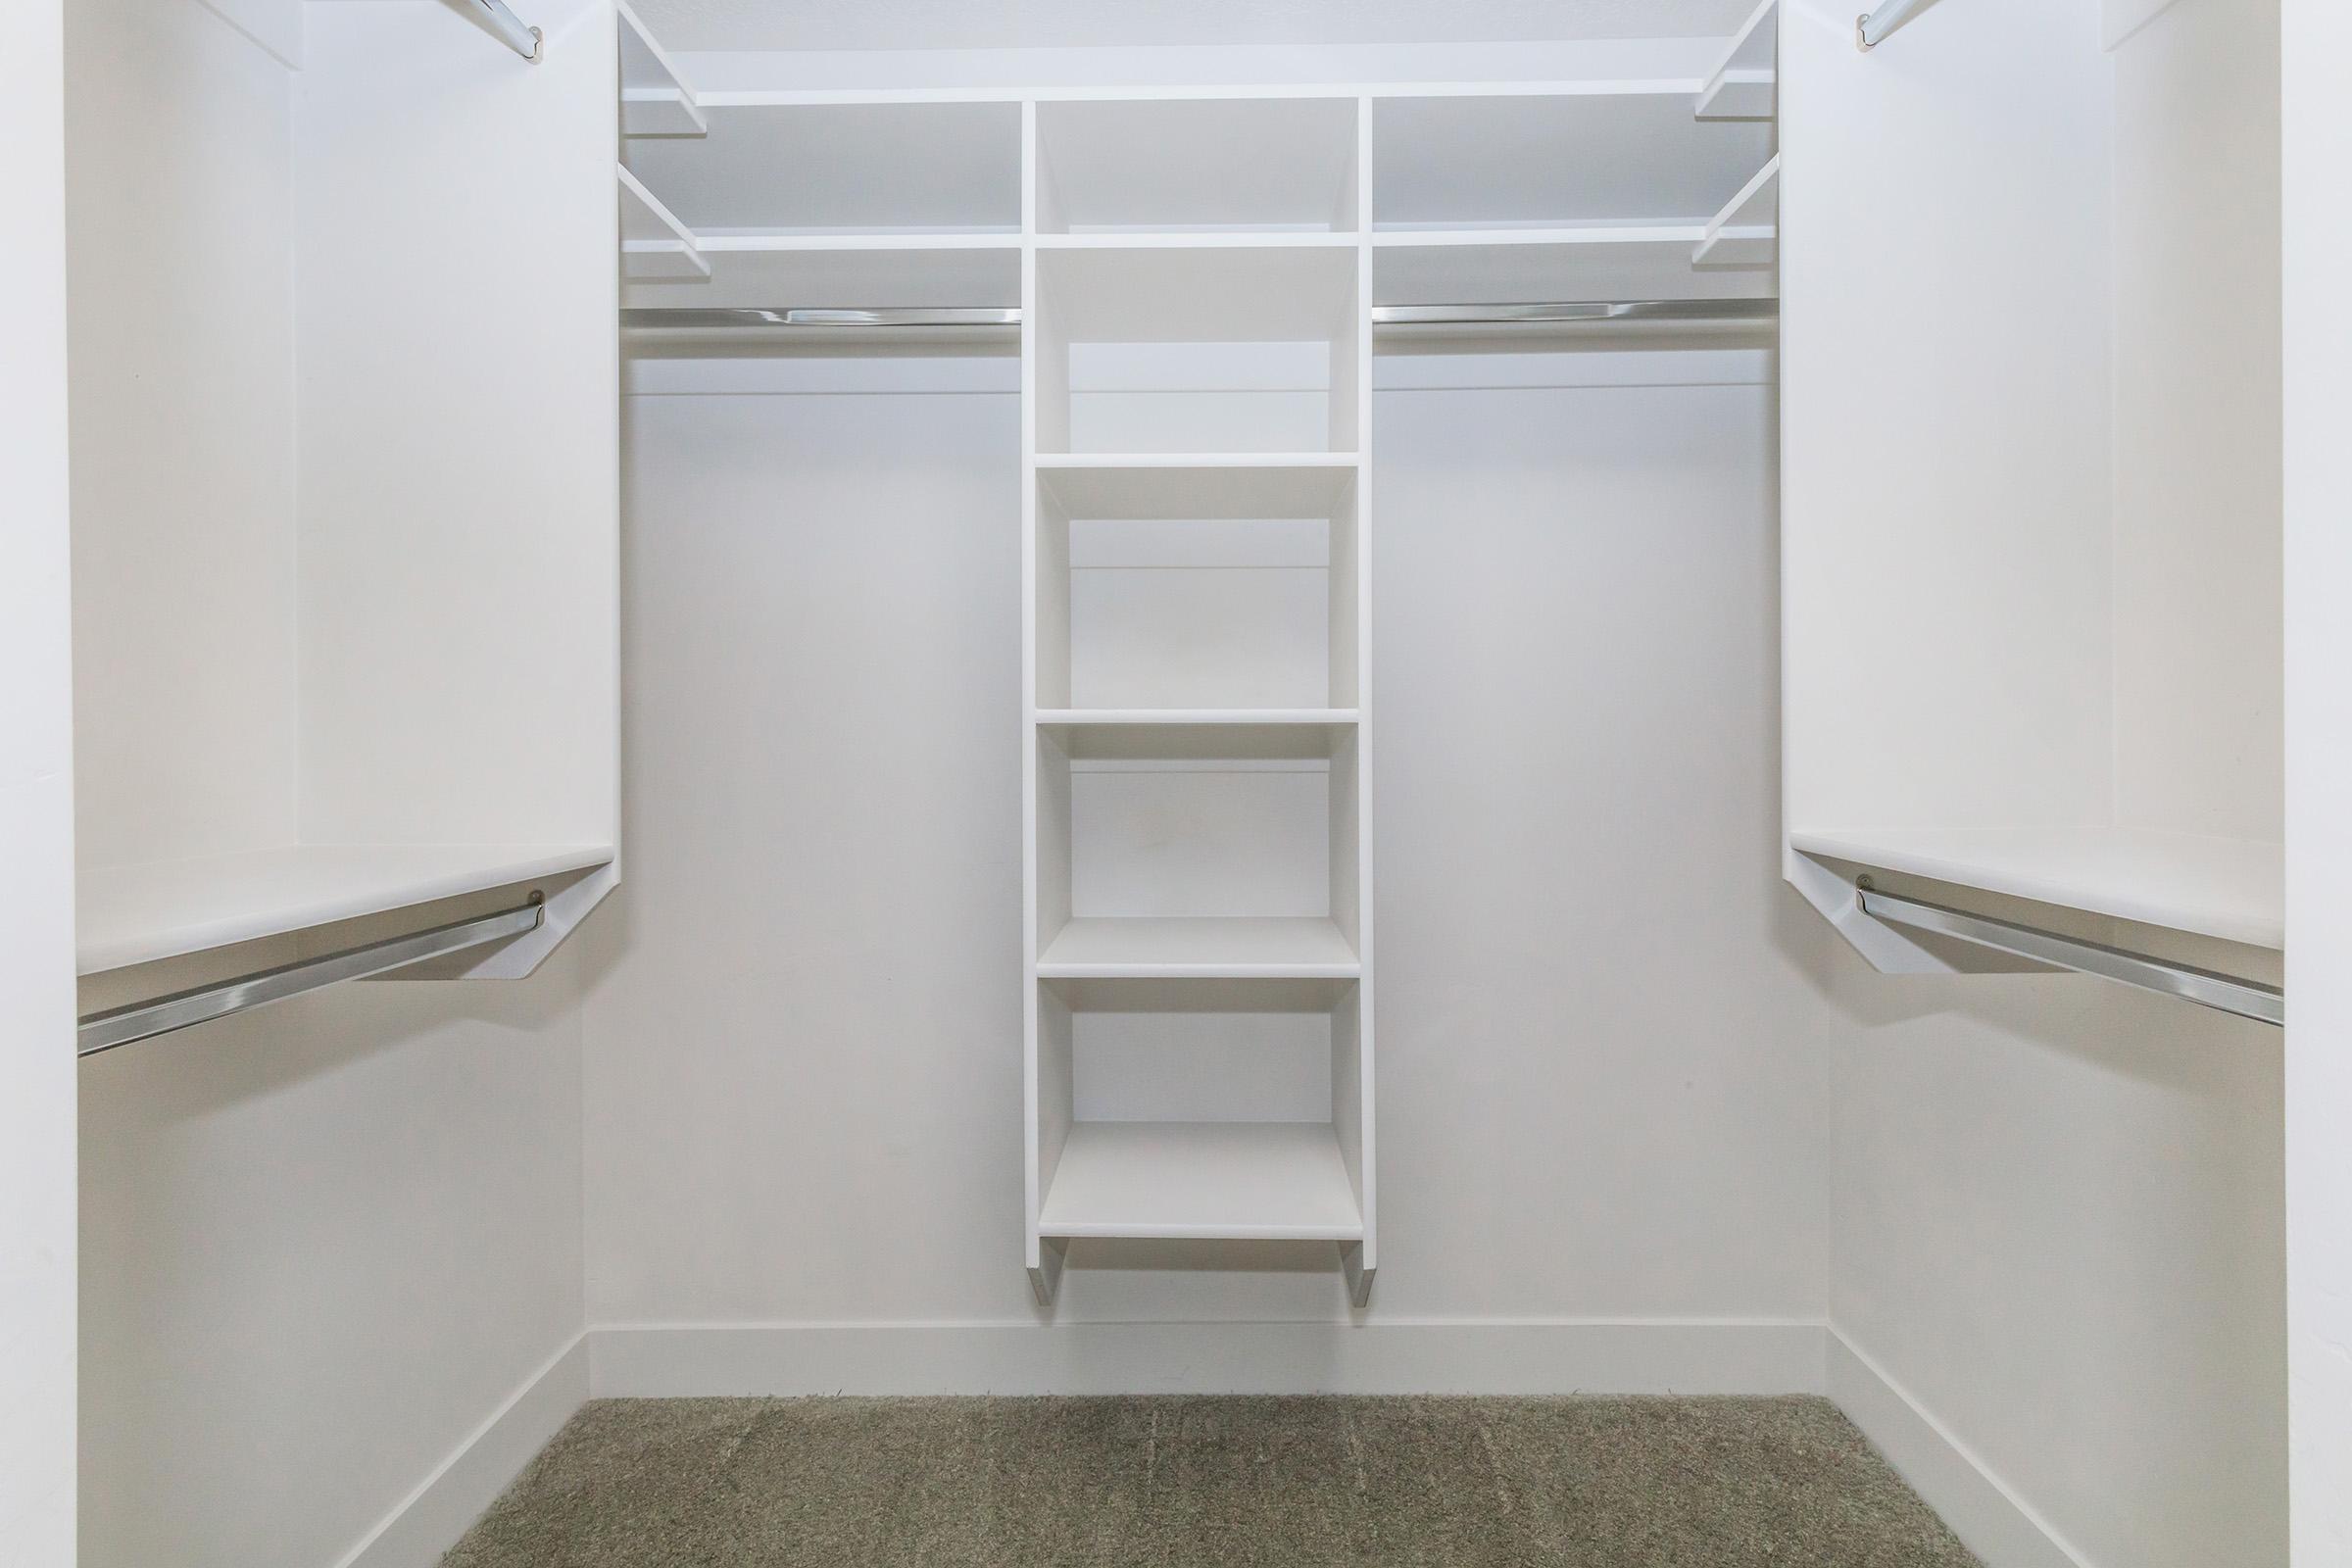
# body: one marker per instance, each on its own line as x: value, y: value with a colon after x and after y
x: 139, y: 914
x: 1259, y: 1181
x: 1239, y: 947
x: 2228, y: 889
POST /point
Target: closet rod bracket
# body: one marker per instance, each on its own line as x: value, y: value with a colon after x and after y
x: 526, y: 41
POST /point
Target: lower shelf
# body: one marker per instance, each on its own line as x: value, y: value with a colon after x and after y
x: 138, y: 914
x: 1203, y: 1181
x: 1299, y: 949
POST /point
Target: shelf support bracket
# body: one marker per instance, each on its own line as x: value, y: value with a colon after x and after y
x: 1045, y: 1278
x: 1360, y: 1278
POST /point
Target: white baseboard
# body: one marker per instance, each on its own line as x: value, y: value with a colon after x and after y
x: 634, y: 1360
x: 432, y: 1518
x: 639, y: 1360
x: 1990, y: 1519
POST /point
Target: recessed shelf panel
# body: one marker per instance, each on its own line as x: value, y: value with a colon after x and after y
x: 1271, y: 1181
x: 1620, y: 158
x: 1231, y: 946
x: 842, y: 169
x: 1188, y: 734
x: 2229, y: 889
x: 1199, y: 163
x: 138, y: 914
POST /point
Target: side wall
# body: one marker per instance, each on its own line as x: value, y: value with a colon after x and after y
x: 2318, y: 779
x: 36, y: 812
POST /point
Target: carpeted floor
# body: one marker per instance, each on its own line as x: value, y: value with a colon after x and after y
x: 1158, y: 1483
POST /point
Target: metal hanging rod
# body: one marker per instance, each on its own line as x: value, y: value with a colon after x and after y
x: 1871, y: 30
x: 144, y: 1021
x: 2245, y: 997
x: 701, y: 321
x: 1573, y: 313
x: 524, y: 41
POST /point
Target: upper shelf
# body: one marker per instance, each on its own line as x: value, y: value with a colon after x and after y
x: 139, y: 914
x: 842, y: 168
x: 1608, y: 159
x: 2228, y: 889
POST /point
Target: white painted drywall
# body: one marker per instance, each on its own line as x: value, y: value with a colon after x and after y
x: 2319, y: 556
x: 2196, y: 545
x: 321, y: 1244
x: 180, y: 193
x: 36, y: 814
x: 1945, y: 289
x: 804, y: 1083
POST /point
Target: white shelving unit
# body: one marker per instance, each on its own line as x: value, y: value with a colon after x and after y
x: 1746, y: 85
x: 1196, y: 269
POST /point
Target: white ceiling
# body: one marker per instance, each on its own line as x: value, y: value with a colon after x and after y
x: 1076, y: 24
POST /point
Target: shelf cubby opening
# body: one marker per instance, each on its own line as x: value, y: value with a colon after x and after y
x: 1202, y: 165
x: 1200, y: 1109
x: 1210, y: 350
x: 1603, y: 158
x: 832, y: 169
x: 1156, y: 859
x: 1217, y: 589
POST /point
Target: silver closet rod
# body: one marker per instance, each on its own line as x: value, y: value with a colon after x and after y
x: 1564, y: 313
x: 524, y: 41
x: 2245, y: 997
x: 144, y: 1021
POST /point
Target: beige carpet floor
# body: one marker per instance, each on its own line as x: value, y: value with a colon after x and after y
x: 1162, y: 1481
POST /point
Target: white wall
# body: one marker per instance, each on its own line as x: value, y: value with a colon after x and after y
x: 2196, y: 545
x: 804, y: 1082
x: 180, y: 214
x: 320, y: 1245
x: 2319, y: 556
x: 37, y: 814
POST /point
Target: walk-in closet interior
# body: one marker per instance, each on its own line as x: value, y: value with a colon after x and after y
x: 1521, y: 698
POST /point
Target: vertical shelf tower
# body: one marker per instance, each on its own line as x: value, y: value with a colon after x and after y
x: 1196, y: 402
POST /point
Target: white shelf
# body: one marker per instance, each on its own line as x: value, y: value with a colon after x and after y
x: 654, y: 247
x: 1238, y: 948
x: 1180, y: 717
x: 1068, y: 460
x: 1746, y: 85
x: 847, y: 273
x: 1513, y: 266
x: 1264, y: 1181
x: 137, y: 914
x: 2229, y: 889
x: 1633, y: 157
x: 842, y: 169
x: 1206, y: 165
x: 1746, y: 232
x: 655, y: 100
x: 1171, y: 734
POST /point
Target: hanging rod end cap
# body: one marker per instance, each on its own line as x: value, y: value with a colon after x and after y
x: 538, y: 47
x: 1862, y: 33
